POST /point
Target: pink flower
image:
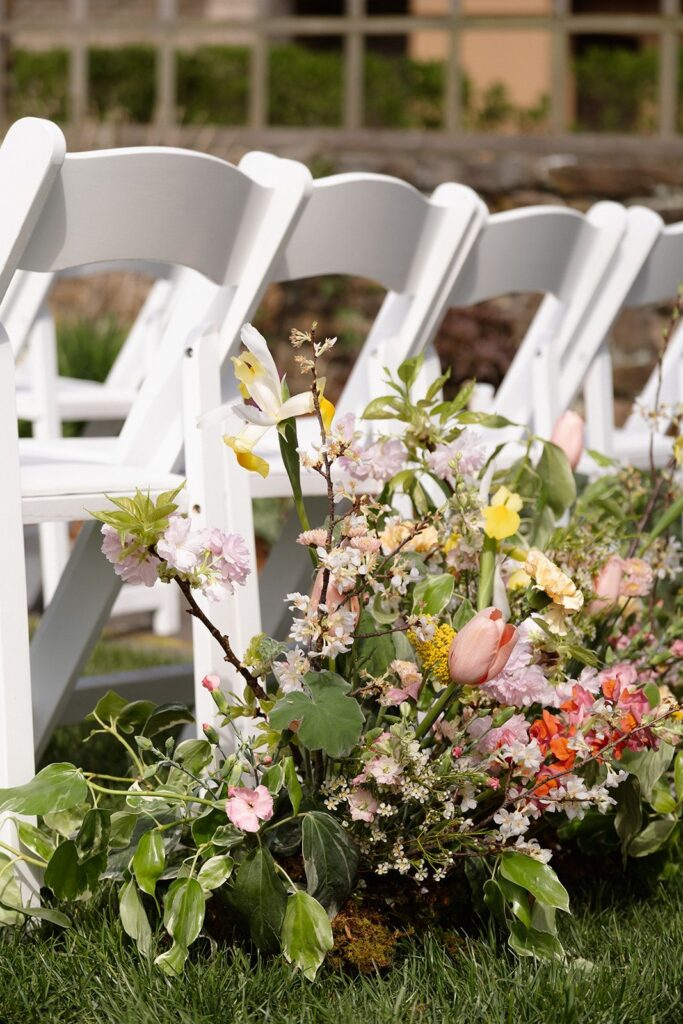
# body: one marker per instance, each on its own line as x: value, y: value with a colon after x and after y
x: 638, y: 578
x: 607, y: 585
x: 411, y: 681
x: 211, y: 682
x: 466, y: 453
x: 677, y: 648
x: 180, y: 546
x: 384, y: 769
x: 362, y: 805
x: 378, y: 461
x: 521, y: 683
x: 131, y: 561
x: 480, y: 650
x: 568, y: 435
x: 515, y: 730
x: 247, y: 808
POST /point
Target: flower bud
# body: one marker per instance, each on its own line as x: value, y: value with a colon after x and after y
x: 211, y: 682
x: 481, y: 649
x: 333, y: 597
x: 210, y: 733
x: 568, y: 435
x: 607, y: 585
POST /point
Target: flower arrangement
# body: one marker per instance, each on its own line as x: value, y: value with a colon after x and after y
x: 486, y: 664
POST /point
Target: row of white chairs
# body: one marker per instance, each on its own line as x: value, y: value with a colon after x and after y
x: 231, y: 231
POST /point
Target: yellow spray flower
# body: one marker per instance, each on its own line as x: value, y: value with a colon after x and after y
x: 434, y: 653
x: 502, y: 515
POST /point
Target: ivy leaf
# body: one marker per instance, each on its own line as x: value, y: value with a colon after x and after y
x: 149, y: 861
x: 529, y: 942
x: 184, y: 907
x: 537, y: 878
x: 215, y: 871
x: 10, y: 895
x: 167, y: 716
x: 134, y: 918
x: 294, y: 790
x: 194, y: 754
x: 57, y: 788
x: 653, y: 837
x: 68, y: 877
x: 93, y: 835
x: 35, y: 841
x: 647, y: 765
x: 306, y: 934
x: 259, y: 898
x: 629, y: 816
x: 330, y: 860
x: 329, y: 720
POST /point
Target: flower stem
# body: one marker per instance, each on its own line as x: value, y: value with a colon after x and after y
x: 487, y: 566
x: 437, y: 708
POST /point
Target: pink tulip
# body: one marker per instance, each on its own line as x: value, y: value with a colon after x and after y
x: 211, y: 683
x: 481, y: 649
x: 333, y: 597
x: 568, y: 435
x: 247, y: 808
x: 607, y: 585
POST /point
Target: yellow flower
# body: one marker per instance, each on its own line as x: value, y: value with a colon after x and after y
x: 245, y: 456
x: 555, y: 583
x: 434, y: 653
x: 452, y: 542
x: 502, y: 515
x: 519, y: 580
x: 678, y: 450
x: 394, y: 535
x: 326, y: 412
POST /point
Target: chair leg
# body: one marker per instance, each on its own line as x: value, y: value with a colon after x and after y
x: 69, y: 630
x: 167, y: 616
x: 16, y: 727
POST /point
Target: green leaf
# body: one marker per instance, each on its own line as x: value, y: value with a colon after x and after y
x: 653, y: 837
x: 67, y: 822
x: 57, y: 788
x: 330, y: 860
x: 108, y: 708
x: 134, y: 918
x: 215, y: 871
x: 647, y: 765
x: 409, y: 370
x: 373, y: 654
x: 553, y: 468
x: 10, y: 895
x: 184, y: 907
x: 386, y: 408
x: 494, y: 900
x: 543, y: 918
x: 227, y: 836
x: 678, y: 774
x: 167, y: 716
x: 537, y: 878
x: 294, y: 790
x: 463, y: 615
x: 329, y: 720
x: 289, y: 444
x: 134, y: 715
x: 529, y: 942
x: 629, y: 816
x: 486, y: 419
x: 306, y: 934
x: 259, y: 898
x: 274, y: 778
x: 93, y: 835
x: 67, y: 876
x: 663, y: 801
x: 518, y: 899
x: 149, y: 861
x: 431, y: 595
x: 194, y: 754
x: 34, y: 840
x: 122, y: 826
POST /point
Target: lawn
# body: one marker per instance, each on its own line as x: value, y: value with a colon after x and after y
x: 627, y: 960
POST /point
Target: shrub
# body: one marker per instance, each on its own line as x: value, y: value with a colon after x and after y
x: 213, y: 85
x: 122, y: 83
x: 615, y: 89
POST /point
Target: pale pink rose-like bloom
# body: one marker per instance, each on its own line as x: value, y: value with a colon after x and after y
x: 366, y: 545
x: 231, y: 555
x: 363, y: 805
x: 312, y: 538
x: 568, y: 434
x: 677, y: 648
x: 466, y: 452
x: 211, y: 682
x: 480, y: 651
x: 180, y: 546
x: 521, y: 683
x: 384, y: 769
x: 637, y: 579
x: 137, y: 566
x: 515, y: 730
x: 247, y: 808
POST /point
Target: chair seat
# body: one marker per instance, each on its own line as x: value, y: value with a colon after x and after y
x: 53, y: 488
x: 76, y: 400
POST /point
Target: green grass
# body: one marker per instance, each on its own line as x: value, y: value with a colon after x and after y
x: 91, y: 974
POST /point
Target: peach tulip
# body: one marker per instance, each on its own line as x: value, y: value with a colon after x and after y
x: 607, y: 585
x: 481, y: 649
x: 333, y: 598
x: 568, y: 435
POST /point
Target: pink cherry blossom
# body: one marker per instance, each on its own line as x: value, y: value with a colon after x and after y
x: 131, y: 561
x: 180, y: 546
x: 363, y: 805
x: 247, y: 808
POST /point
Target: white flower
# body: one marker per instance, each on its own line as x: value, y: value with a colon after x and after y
x: 512, y: 823
x: 290, y: 672
x: 181, y: 546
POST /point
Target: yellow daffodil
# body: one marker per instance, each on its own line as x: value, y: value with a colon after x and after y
x: 501, y: 517
x: 260, y: 385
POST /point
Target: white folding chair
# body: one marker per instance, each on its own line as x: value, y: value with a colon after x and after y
x: 227, y: 225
